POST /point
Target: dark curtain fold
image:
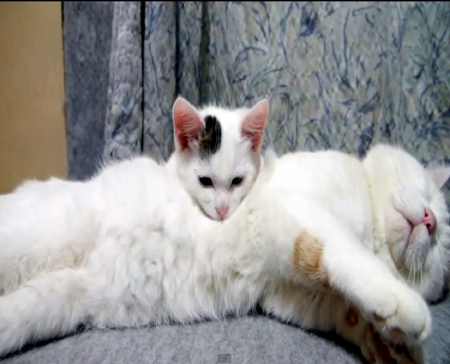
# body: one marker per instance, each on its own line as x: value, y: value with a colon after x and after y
x: 87, y: 47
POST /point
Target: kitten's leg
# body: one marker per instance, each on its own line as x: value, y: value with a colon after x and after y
x: 51, y: 305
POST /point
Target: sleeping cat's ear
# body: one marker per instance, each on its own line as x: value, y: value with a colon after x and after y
x: 254, y: 124
x: 439, y: 175
x: 187, y: 124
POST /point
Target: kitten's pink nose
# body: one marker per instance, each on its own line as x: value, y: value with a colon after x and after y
x: 222, y: 211
x: 428, y: 220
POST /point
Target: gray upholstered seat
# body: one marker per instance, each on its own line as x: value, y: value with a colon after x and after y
x: 247, y: 340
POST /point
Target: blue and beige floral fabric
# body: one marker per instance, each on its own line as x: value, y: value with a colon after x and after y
x: 338, y: 74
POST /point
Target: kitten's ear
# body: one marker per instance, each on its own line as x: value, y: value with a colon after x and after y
x: 254, y: 124
x: 439, y: 175
x: 187, y: 125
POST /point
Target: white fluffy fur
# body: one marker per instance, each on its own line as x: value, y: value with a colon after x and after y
x: 129, y: 248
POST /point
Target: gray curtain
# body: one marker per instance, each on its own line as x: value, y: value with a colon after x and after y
x: 123, y: 127
x: 87, y: 48
x: 103, y: 65
x: 338, y: 75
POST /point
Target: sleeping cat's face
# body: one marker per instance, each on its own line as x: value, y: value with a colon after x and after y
x: 218, y: 153
x: 413, y: 210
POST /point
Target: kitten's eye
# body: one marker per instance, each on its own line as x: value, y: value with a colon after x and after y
x: 205, y: 181
x: 236, y: 181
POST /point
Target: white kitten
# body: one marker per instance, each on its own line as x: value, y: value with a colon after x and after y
x: 131, y: 248
x: 217, y: 155
x: 387, y: 201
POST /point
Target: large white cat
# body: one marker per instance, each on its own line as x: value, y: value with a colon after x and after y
x: 389, y: 202
x: 130, y: 247
x: 217, y: 153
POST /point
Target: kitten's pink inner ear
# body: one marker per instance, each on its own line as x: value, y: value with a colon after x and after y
x: 186, y: 123
x: 440, y: 175
x: 254, y: 124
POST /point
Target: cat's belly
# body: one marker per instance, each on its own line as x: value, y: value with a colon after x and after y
x: 150, y: 275
x: 334, y: 179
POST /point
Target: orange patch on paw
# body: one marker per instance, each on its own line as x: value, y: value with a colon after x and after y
x: 307, y: 258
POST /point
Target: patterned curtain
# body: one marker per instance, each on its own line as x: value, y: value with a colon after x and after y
x: 338, y: 74
x: 103, y: 63
x: 123, y: 129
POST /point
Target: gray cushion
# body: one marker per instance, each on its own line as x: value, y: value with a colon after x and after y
x: 254, y: 339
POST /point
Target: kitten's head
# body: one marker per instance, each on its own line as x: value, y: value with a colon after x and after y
x: 412, y: 211
x: 218, y: 153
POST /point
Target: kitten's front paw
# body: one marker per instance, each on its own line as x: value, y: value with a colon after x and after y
x: 410, y: 320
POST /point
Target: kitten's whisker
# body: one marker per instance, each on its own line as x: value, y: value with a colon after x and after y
x: 409, y: 272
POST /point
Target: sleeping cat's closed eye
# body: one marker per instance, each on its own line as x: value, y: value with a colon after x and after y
x: 206, y: 181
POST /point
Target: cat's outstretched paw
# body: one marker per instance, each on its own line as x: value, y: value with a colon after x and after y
x: 399, y: 314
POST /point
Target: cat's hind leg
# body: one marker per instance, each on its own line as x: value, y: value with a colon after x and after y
x: 48, y: 306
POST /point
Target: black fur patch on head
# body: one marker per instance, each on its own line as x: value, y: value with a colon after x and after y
x: 211, y: 137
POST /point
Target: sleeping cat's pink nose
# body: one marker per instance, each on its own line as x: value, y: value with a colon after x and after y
x: 222, y: 211
x: 428, y: 220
